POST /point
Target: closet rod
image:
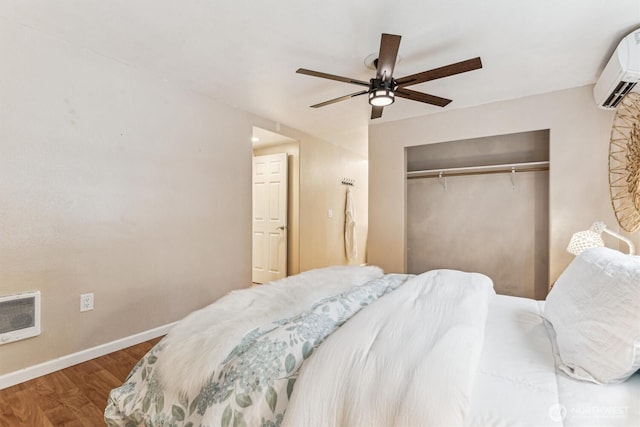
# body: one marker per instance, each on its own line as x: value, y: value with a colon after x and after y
x: 480, y: 170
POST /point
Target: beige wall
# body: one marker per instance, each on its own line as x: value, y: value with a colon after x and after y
x: 578, y: 178
x: 477, y: 223
x: 115, y: 182
x: 293, y: 203
x: 322, y: 168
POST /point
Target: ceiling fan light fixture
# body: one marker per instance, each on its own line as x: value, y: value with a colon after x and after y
x: 381, y: 97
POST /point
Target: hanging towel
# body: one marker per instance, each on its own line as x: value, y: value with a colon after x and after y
x: 350, y: 241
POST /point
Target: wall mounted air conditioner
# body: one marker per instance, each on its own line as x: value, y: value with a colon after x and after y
x: 621, y: 73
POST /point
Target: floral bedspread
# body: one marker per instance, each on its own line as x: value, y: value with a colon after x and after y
x: 253, y: 385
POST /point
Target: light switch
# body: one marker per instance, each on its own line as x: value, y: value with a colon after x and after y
x: 330, y: 213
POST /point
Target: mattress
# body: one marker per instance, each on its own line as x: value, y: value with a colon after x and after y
x: 518, y: 382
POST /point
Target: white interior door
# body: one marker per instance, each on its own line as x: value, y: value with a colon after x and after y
x: 269, y: 217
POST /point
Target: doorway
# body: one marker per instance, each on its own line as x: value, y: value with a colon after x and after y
x: 275, y: 229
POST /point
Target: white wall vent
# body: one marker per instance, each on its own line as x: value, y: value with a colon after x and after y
x: 19, y: 316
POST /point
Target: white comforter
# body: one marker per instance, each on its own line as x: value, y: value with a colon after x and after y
x: 202, y: 340
x: 408, y: 359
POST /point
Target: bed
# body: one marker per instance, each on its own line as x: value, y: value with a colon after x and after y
x: 351, y: 346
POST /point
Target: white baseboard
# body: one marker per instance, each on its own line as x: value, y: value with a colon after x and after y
x: 35, y: 371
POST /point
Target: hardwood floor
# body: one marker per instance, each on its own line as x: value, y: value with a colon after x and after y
x: 76, y: 396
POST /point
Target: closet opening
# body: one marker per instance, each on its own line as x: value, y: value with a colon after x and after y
x: 482, y: 205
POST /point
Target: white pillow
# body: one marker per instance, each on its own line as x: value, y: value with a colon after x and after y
x: 594, y: 308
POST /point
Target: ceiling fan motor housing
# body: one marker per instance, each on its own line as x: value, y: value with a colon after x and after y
x: 377, y: 84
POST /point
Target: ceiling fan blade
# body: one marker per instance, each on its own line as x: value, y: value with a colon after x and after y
x: 342, y: 98
x: 438, y: 73
x: 422, y: 97
x: 376, y: 112
x: 389, y: 45
x: 331, y: 77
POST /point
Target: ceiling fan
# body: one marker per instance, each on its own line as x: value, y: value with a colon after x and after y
x: 383, y: 88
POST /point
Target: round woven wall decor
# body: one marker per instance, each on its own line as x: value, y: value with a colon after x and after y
x: 624, y: 163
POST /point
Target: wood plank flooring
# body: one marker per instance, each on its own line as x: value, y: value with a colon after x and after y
x: 75, y: 396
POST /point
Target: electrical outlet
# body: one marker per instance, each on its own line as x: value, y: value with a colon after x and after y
x: 86, y: 302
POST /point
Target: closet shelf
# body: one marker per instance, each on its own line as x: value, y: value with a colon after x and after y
x: 479, y: 170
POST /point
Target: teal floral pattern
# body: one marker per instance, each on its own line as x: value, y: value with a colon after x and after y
x: 254, y: 383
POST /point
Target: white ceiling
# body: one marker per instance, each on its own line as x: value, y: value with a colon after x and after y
x: 245, y: 52
x: 263, y: 138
